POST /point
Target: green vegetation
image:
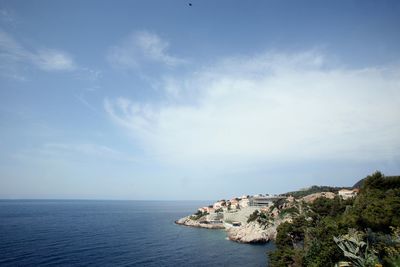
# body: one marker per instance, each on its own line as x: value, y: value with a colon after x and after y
x: 356, y: 250
x: 278, y: 203
x: 198, y: 215
x: 253, y: 216
x: 359, y: 184
x: 262, y: 218
x: 364, y: 231
x: 293, y: 211
x: 313, y: 189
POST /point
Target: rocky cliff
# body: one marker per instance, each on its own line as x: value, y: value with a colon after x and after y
x: 257, y: 224
x: 252, y: 232
x: 198, y: 223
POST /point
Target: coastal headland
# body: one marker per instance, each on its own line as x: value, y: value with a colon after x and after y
x: 255, y: 219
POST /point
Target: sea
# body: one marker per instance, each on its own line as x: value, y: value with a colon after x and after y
x: 114, y: 233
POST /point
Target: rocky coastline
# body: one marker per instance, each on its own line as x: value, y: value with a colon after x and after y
x: 251, y: 233
x: 187, y: 221
x: 247, y: 221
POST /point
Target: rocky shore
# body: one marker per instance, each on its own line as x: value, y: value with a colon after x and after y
x: 247, y: 223
x: 187, y: 221
x: 251, y: 233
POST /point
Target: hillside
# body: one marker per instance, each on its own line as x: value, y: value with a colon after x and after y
x: 312, y: 190
x: 361, y: 231
x: 359, y: 184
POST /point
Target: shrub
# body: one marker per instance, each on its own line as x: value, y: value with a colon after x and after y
x: 253, y: 216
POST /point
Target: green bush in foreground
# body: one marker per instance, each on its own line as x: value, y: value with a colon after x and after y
x: 322, y: 236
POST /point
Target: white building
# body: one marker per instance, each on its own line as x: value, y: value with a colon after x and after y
x: 203, y: 209
x: 264, y: 200
x: 219, y: 204
x: 348, y: 193
x: 234, y: 204
x: 244, y: 202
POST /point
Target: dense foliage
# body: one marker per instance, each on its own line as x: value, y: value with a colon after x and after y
x: 364, y: 231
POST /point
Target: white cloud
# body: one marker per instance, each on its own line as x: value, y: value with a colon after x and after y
x: 52, y: 60
x: 13, y: 53
x: 142, y: 47
x: 10, y: 48
x: 74, y: 152
x: 270, y: 107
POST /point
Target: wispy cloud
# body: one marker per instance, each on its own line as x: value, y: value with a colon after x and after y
x: 142, y: 47
x: 81, y: 97
x: 13, y: 53
x: 74, y: 151
x: 8, y: 17
x: 83, y: 148
x: 88, y: 74
x: 53, y: 60
x: 10, y: 48
x: 269, y: 107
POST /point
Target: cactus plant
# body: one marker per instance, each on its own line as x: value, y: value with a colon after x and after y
x: 356, y: 250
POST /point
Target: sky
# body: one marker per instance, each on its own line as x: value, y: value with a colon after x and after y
x: 162, y: 100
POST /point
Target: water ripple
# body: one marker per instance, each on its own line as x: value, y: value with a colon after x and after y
x: 113, y: 233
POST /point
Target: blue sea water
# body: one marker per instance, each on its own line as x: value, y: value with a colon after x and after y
x: 114, y: 233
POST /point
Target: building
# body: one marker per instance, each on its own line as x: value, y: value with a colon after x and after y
x: 260, y: 201
x: 219, y: 204
x: 233, y: 204
x: 207, y: 209
x: 244, y: 202
x: 348, y: 193
x: 203, y: 209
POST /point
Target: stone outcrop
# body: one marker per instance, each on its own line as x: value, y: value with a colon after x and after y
x: 251, y: 233
x: 198, y: 223
x: 312, y: 197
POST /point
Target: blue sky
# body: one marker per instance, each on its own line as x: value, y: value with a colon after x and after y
x: 162, y: 100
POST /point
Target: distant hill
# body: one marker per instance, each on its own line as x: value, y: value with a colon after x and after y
x: 359, y: 184
x: 389, y: 179
x: 316, y: 188
x: 313, y: 189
